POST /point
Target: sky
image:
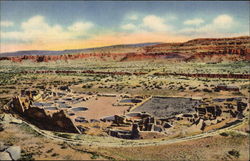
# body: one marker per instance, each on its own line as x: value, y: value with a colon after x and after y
x: 60, y: 25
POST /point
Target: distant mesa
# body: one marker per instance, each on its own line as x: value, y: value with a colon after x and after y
x: 75, y: 51
x: 211, y: 50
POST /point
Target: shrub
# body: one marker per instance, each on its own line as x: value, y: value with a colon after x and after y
x: 63, y: 135
x: 54, y: 154
x: 234, y: 153
x: 26, y: 156
x: 223, y: 134
x: 206, y: 90
x: 94, y: 156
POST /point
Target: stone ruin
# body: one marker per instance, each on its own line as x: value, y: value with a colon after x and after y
x: 208, y: 112
x: 55, y: 121
x: 120, y: 134
x: 214, y: 111
x: 139, y: 122
x: 226, y: 108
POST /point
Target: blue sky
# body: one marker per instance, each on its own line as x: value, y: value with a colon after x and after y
x: 79, y: 24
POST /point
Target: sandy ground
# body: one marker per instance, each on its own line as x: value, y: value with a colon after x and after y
x: 99, y: 107
x: 39, y: 147
x: 214, y: 148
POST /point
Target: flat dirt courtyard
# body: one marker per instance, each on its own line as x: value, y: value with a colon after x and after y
x: 100, y: 107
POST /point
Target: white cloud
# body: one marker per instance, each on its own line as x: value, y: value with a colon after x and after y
x: 128, y: 26
x: 80, y: 26
x: 221, y: 23
x: 155, y: 23
x: 6, y: 23
x: 37, y: 29
x: 195, y: 21
x: 149, y: 23
x: 35, y: 23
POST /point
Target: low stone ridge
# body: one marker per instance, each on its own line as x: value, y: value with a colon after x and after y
x: 196, y: 75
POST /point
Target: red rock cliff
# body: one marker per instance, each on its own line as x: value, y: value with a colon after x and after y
x: 233, y: 49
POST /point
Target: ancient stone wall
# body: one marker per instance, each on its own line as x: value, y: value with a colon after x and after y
x: 57, y: 121
x: 227, y: 108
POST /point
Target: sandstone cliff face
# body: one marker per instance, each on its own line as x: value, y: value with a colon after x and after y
x: 233, y: 49
x: 215, y: 50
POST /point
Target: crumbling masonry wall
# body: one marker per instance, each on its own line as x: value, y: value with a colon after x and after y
x: 58, y: 121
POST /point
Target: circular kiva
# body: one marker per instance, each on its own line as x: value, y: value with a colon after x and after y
x: 80, y: 119
x: 79, y: 109
x: 64, y: 106
x: 50, y: 108
x: 130, y: 101
x: 71, y: 114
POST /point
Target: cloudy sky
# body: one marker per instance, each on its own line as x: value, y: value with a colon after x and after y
x: 54, y: 25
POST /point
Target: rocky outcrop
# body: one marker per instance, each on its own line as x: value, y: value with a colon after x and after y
x: 10, y: 153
